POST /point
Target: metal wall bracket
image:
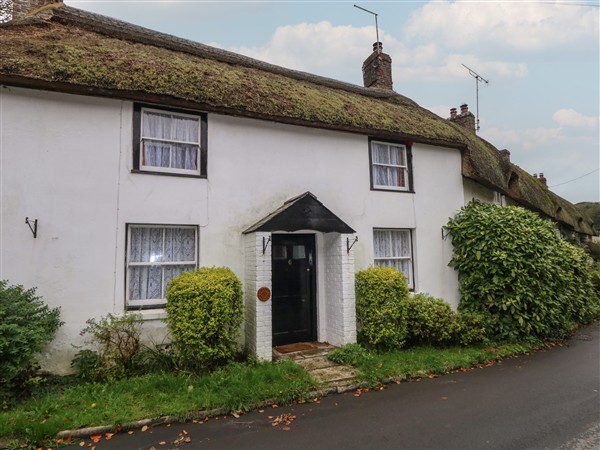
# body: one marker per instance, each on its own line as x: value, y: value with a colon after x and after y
x: 266, y: 244
x: 444, y: 233
x: 32, y: 228
x: 350, y: 245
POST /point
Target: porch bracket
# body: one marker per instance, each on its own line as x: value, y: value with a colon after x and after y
x: 32, y: 228
x: 350, y: 245
x: 266, y: 243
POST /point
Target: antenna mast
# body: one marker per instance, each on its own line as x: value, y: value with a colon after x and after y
x: 376, y: 27
x: 478, y: 78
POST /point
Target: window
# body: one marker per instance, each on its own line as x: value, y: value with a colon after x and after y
x: 155, y: 255
x: 390, y: 166
x: 393, y: 249
x: 169, y: 142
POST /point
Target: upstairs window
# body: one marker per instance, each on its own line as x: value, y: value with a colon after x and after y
x: 393, y: 248
x: 169, y: 142
x: 390, y: 166
x: 155, y: 255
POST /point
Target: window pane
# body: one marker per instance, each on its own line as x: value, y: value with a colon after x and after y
x: 145, y: 282
x: 400, y: 244
x: 298, y: 252
x: 172, y: 272
x: 185, y: 156
x: 180, y: 244
x: 146, y: 244
x: 381, y: 153
x: 156, y: 154
x: 157, y: 125
x: 185, y: 129
x: 380, y: 176
x: 398, y: 155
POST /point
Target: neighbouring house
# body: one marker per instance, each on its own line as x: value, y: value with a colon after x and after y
x: 130, y: 156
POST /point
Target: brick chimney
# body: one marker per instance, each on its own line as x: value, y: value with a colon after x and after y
x: 465, y: 119
x: 22, y: 8
x: 377, y: 69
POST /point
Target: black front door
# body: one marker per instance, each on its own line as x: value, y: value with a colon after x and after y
x: 294, y: 285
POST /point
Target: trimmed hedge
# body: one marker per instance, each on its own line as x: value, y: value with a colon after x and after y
x: 381, y: 302
x: 204, y: 314
x: 430, y: 321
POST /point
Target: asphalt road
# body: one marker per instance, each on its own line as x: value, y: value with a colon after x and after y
x: 546, y: 400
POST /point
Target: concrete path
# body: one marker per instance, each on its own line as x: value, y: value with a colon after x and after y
x: 546, y: 400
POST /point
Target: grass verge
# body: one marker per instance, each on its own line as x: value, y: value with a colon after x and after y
x: 235, y: 387
x: 419, y: 362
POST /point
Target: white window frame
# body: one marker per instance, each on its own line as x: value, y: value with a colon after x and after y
x: 153, y: 302
x: 162, y: 169
x: 403, y: 168
x: 376, y: 258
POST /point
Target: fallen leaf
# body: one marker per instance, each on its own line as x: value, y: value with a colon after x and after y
x: 130, y: 432
x: 82, y: 443
x: 274, y: 406
x: 162, y: 443
x: 444, y: 398
x: 184, y: 432
x: 145, y: 427
x: 261, y: 411
x: 95, y: 438
x: 286, y: 428
x: 108, y: 436
x: 188, y: 439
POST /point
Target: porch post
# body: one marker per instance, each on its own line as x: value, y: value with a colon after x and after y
x: 259, y: 338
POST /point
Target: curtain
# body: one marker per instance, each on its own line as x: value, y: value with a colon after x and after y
x: 386, y: 159
x: 392, y: 249
x: 156, y: 246
x: 182, y: 153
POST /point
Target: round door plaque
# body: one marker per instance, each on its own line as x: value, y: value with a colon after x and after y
x: 264, y: 294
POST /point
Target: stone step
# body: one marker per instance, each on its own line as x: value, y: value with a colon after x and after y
x: 316, y: 362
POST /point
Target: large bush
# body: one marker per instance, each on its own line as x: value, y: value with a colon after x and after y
x: 204, y: 314
x: 26, y: 325
x: 515, y: 269
x: 381, y: 296
x: 430, y: 321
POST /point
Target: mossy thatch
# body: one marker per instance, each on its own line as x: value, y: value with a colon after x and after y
x: 68, y: 50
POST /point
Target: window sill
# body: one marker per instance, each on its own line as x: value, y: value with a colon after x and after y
x: 398, y: 191
x: 168, y: 174
x: 150, y: 314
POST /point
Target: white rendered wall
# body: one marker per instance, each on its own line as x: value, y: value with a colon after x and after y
x: 67, y: 160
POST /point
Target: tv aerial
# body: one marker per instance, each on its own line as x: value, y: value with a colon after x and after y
x: 478, y: 79
x: 376, y: 27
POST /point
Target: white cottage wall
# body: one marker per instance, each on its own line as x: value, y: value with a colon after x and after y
x: 60, y: 157
x: 67, y: 161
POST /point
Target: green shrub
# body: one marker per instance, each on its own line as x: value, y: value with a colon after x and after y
x: 381, y: 295
x: 117, y: 340
x: 472, y: 328
x: 204, y: 314
x: 430, y: 321
x: 516, y: 270
x: 26, y: 325
x: 349, y: 354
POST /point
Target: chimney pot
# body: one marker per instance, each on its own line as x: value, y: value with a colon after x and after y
x: 464, y: 108
x: 505, y: 154
x: 377, y: 47
x: 452, y: 113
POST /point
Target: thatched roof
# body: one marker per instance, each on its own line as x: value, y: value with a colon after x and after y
x: 69, y: 50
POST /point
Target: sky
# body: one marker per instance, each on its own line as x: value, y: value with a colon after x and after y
x: 541, y: 60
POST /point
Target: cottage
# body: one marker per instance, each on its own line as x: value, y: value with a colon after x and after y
x: 130, y: 156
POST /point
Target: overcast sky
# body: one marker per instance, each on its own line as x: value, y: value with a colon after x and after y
x: 542, y: 60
